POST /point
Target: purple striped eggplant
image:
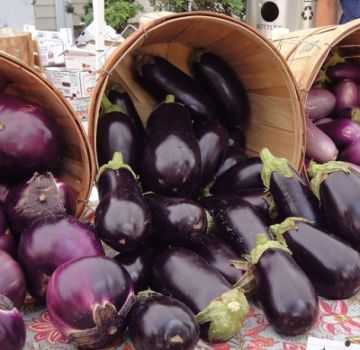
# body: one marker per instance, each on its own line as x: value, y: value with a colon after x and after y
x: 224, y: 87
x: 186, y: 276
x: 332, y: 266
x: 242, y: 176
x: 233, y: 155
x: 320, y: 102
x: 161, y: 78
x: 176, y: 218
x: 338, y: 188
x: 347, y: 94
x: 171, y: 163
x: 344, y: 70
x: 291, y: 194
x: 162, y: 323
x: 237, y: 138
x: 213, y: 143
x: 351, y: 153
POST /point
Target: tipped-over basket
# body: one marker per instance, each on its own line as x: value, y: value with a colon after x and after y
x: 276, y: 119
x: 77, y: 166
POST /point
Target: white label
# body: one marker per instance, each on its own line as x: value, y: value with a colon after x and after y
x: 326, y: 344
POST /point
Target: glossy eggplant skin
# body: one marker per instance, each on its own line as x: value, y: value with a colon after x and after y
x: 236, y: 138
x: 213, y: 142
x: 234, y: 155
x: 171, y: 163
x: 293, y: 197
x: 242, y: 176
x: 116, y: 132
x: 163, y: 323
x: 285, y: 294
x: 176, y: 218
x: 332, y: 266
x: 225, y: 88
x: 217, y: 253
x: 160, y: 78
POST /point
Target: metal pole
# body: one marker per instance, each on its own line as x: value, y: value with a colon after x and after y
x: 99, y: 20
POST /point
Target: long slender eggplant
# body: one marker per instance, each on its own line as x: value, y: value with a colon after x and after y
x: 186, y: 276
x: 332, y: 266
x: 236, y: 138
x: 224, y: 87
x: 233, y: 155
x: 161, y: 78
x: 291, y: 194
x: 283, y: 290
x: 122, y: 218
x: 171, y: 163
x: 242, y: 176
x: 117, y: 132
x: 163, y: 323
x: 176, y: 218
x: 344, y: 70
x: 213, y: 142
x: 338, y: 188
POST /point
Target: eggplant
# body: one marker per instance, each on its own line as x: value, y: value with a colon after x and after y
x: 162, y: 323
x: 338, y: 188
x: 233, y: 155
x: 320, y: 103
x: 176, y: 218
x: 161, y: 78
x: 332, y: 266
x: 171, y: 163
x: 351, y: 153
x: 242, y: 176
x: 117, y: 132
x: 291, y: 194
x: 350, y: 113
x: 122, y: 218
x: 344, y: 70
x: 291, y: 307
x: 213, y: 143
x: 236, y: 138
x: 186, y: 276
x: 319, y: 146
x: 321, y: 121
x: 223, y: 86
x: 347, y: 94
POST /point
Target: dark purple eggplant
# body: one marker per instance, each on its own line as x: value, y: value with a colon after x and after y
x: 234, y: 155
x: 223, y: 86
x: 320, y: 102
x: 338, y: 188
x: 138, y: 264
x: 351, y: 153
x: 176, y: 218
x: 117, y: 132
x: 242, y: 176
x: 7, y: 240
x: 161, y: 78
x: 236, y: 138
x: 347, y: 94
x: 344, y: 70
x: 213, y: 142
x: 118, y: 96
x: 163, y: 323
x: 350, y: 113
x: 332, y: 266
x: 342, y: 131
x: 186, y: 276
x: 291, y: 194
x: 5, y: 186
x: 171, y: 163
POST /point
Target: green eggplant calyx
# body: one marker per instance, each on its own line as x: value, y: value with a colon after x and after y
x: 169, y: 99
x: 263, y: 243
x: 146, y: 294
x: 206, y: 190
x: 143, y: 59
x: 108, y: 107
x: 197, y: 54
x: 115, y: 87
x: 334, y: 60
x: 288, y: 224
x: 319, y: 172
x: 210, y: 222
x: 116, y: 163
x: 225, y: 314
x: 269, y: 199
x: 272, y: 164
x: 247, y: 281
x: 323, y: 78
x: 355, y: 114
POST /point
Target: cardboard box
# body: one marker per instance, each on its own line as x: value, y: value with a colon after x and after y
x: 72, y: 83
x: 80, y: 106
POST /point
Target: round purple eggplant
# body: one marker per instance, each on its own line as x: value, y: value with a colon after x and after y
x: 161, y: 78
x: 42, y: 195
x: 344, y: 70
x: 291, y: 194
x: 7, y: 240
x: 242, y: 176
x: 213, y: 142
x: 320, y: 103
x: 332, y: 266
x: 236, y: 138
x: 347, y: 94
x: 351, y: 153
x: 49, y: 243
x: 29, y: 140
x: 186, y: 276
x: 163, y: 323
x: 13, y: 331
x: 338, y: 188
x: 223, y: 86
x: 234, y: 155
x: 171, y: 161
x: 176, y: 218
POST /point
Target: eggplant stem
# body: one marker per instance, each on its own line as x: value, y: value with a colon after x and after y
x: 169, y: 99
x: 247, y: 281
x: 176, y: 339
x: 6, y: 303
x: 146, y: 294
x: 278, y: 230
x: 210, y: 221
x: 355, y: 114
x: 114, y: 87
x: 269, y: 199
x: 108, y: 107
x: 196, y: 55
x: 143, y: 59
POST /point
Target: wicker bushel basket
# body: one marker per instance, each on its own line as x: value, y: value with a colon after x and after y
x: 77, y: 165
x: 276, y: 114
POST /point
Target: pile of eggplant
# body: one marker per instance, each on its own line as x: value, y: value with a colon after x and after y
x: 333, y: 113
